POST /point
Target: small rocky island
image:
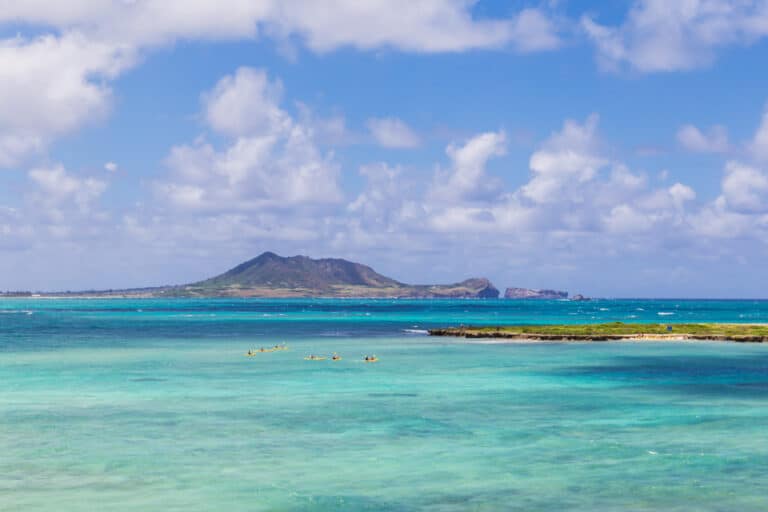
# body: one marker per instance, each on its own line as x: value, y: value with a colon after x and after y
x: 527, y: 293
x: 755, y: 333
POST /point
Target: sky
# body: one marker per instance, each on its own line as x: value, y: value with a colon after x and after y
x: 612, y: 149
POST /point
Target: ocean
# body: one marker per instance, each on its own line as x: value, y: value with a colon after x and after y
x: 137, y: 405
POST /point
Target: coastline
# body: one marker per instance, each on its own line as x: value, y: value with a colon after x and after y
x: 712, y: 332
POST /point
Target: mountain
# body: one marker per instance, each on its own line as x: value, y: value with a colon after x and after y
x: 526, y: 293
x: 271, y: 270
x: 270, y: 275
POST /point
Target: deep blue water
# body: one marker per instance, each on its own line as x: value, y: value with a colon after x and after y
x: 29, y: 324
x: 151, y: 405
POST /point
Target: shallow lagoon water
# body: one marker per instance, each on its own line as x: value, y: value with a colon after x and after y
x: 148, y: 405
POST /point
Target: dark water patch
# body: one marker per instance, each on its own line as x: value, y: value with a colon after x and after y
x: 742, y: 390
x: 672, y: 367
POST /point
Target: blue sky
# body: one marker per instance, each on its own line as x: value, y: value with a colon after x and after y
x: 614, y: 150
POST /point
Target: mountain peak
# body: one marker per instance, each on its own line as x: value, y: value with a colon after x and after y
x: 271, y: 270
x: 272, y: 275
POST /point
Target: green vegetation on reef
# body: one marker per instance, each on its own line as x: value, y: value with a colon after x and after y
x: 614, y: 331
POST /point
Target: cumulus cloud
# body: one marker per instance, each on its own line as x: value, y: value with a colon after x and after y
x: 466, y: 179
x: 52, y: 85
x: 693, y: 139
x: 57, y: 187
x: 532, y: 31
x: 387, y: 211
x: 745, y: 188
x: 246, y: 103
x: 741, y: 209
x: 573, y: 190
x: 659, y: 35
x: 568, y: 157
x: 390, y: 132
x: 271, y: 160
x: 110, y: 167
x: 717, y: 220
x: 425, y: 26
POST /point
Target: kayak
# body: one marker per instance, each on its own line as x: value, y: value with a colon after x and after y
x: 375, y: 360
x: 336, y: 359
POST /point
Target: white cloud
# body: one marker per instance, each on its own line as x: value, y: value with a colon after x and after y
x: 745, y: 188
x: 718, y: 221
x: 570, y: 193
x: 533, y: 31
x: 14, y: 147
x: 424, y: 26
x: 51, y: 85
x: 331, y: 130
x: 467, y: 180
x: 388, y: 205
x: 693, y: 139
x: 627, y: 219
x: 390, y: 132
x: 271, y: 161
x: 741, y: 210
x: 569, y: 157
x: 663, y: 35
x: 680, y: 194
x: 56, y: 188
x: 246, y: 103
x: 110, y: 167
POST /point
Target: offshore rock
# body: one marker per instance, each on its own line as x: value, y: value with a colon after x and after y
x: 526, y: 293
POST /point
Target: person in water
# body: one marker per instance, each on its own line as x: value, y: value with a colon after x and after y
x: 250, y: 352
x: 335, y: 356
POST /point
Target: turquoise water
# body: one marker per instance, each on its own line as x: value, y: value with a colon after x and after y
x: 150, y: 405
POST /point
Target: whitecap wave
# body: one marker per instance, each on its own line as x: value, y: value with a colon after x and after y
x: 665, y: 313
x: 416, y: 331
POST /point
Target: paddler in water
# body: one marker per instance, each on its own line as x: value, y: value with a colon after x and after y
x: 335, y: 357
